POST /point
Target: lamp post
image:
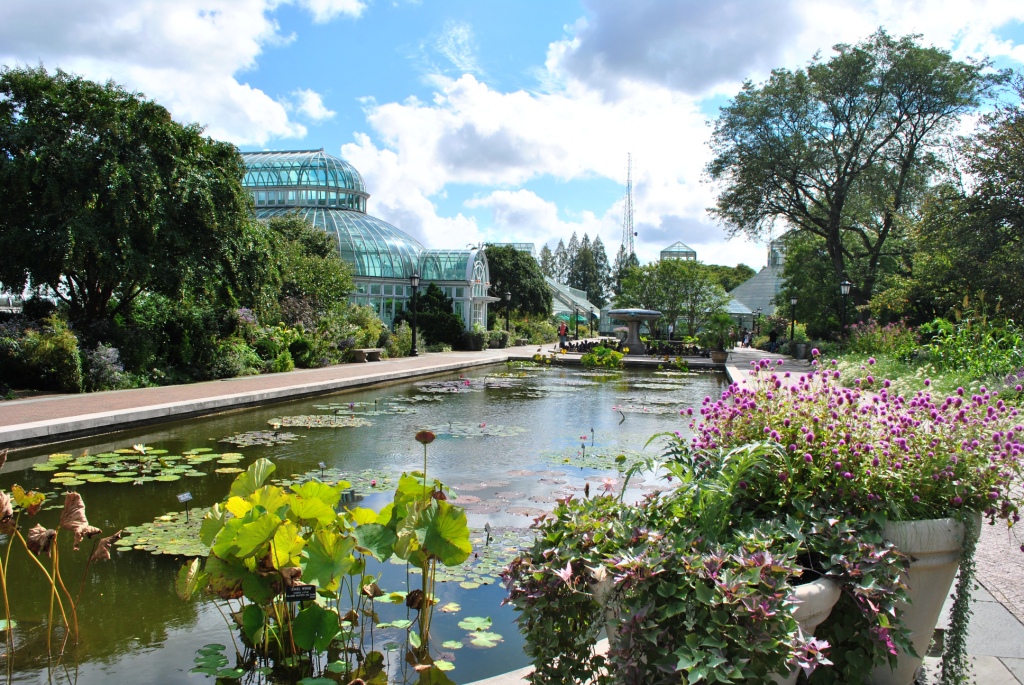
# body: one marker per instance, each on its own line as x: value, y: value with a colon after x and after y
x: 844, y: 289
x: 576, y: 317
x: 757, y: 321
x: 792, y: 318
x: 592, y: 323
x: 508, y: 311
x: 415, y: 281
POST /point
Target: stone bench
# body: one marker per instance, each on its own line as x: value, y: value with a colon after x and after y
x: 521, y: 342
x: 368, y: 354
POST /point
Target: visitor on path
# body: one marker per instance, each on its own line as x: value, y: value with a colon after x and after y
x: 563, y: 333
x: 773, y: 340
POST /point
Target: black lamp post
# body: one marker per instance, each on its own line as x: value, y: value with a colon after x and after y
x: 415, y: 281
x: 592, y: 315
x: 757, y: 321
x: 792, y: 318
x: 576, y: 316
x: 844, y: 289
x: 508, y: 311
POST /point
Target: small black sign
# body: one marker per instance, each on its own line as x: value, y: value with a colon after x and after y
x: 300, y: 593
x: 185, y: 497
x: 323, y: 466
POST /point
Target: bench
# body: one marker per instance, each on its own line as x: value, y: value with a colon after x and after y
x: 368, y: 354
x: 522, y: 342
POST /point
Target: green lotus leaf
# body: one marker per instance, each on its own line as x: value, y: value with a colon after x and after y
x: 326, y: 558
x: 443, y: 533
x: 443, y: 665
x: 469, y: 585
x: 213, y: 521
x: 480, y: 623
x: 190, y: 578
x: 167, y: 478
x: 401, y: 624
x: 312, y: 509
x: 314, y: 489
x: 316, y: 681
x: 256, y: 531
x: 452, y: 644
x: 249, y: 482
x: 338, y: 667
x: 287, y: 546
x: 6, y: 625
x: 230, y: 673
x: 485, y: 639
x: 314, y: 627
x: 376, y: 539
x: 253, y: 623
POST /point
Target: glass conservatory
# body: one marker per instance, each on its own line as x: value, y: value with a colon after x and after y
x: 328, y: 192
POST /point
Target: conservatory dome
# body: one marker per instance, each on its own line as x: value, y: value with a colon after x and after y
x: 303, y: 178
x: 375, y: 248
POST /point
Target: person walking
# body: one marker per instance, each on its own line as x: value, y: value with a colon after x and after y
x: 563, y: 333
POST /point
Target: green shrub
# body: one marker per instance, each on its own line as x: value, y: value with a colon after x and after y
x: 895, y: 339
x: 235, y: 358
x: 282, y: 362
x: 51, y: 357
x: 538, y: 332
x: 602, y: 356
x: 437, y: 347
x: 498, y: 340
x: 400, y: 344
x: 476, y: 339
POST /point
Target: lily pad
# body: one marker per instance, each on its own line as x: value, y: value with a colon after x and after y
x: 319, y: 421
x: 168, y: 534
x: 456, y: 429
x: 260, y: 438
x: 485, y: 639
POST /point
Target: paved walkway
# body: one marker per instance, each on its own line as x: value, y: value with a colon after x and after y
x: 997, y: 629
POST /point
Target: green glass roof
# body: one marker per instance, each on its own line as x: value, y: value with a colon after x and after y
x: 447, y: 265
x: 301, y: 169
x: 375, y: 248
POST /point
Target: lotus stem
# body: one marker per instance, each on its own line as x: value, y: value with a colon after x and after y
x: 231, y: 632
x: 60, y: 603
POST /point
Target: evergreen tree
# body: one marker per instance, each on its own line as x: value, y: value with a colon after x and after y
x: 547, y: 262
x: 604, y: 271
x: 623, y: 263
x: 561, y: 263
x: 572, y: 251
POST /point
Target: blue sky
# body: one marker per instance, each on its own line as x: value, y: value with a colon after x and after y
x: 497, y: 120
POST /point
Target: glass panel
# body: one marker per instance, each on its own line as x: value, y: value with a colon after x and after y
x: 375, y: 289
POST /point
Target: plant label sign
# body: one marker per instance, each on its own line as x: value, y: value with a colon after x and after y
x: 300, y: 593
x: 185, y: 497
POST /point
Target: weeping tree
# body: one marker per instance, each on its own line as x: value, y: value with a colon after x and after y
x: 844, y: 149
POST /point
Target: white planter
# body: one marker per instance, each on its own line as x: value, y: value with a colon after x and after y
x: 814, y: 602
x: 934, y: 548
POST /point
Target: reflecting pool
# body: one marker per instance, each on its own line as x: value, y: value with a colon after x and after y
x: 510, y: 441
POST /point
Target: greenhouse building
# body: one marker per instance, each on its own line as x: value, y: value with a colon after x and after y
x: 329, y: 193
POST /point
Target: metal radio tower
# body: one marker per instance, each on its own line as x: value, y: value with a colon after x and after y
x: 627, y: 217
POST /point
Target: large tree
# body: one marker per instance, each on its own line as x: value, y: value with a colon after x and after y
x: 516, y: 272
x: 547, y: 261
x: 604, y: 270
x: 106, y: 197
x: 843, y: 149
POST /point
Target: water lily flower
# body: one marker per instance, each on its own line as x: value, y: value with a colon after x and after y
x: 566, y: 573
x: 609, y: 484
x: 425, y: 437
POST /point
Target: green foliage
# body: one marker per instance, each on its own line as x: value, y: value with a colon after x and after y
x: 895, y: 339
x: 676, y: 288
x: 282, y: 362
x: 475, y: 339
x: 979, y: 348
x: 435, y: 320
x: 730, y: 276
x: 603, y: 357
x: 516, y: 272
x: 719, y: 332
x: 106, y: 197
x: 497, y: 339
x: 264, y: 537
x: 537, y: 332
x: 401, y: 341
x: 47, y: 358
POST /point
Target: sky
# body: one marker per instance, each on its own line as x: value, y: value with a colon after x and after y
x: 487, y: 120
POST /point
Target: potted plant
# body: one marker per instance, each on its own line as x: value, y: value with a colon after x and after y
x: 912, y: 469
x: 717, y: 336
x: 688, y: 590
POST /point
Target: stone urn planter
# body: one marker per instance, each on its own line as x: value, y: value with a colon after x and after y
x: 719, y: 356
x: 934, y: 548
x: 814, y: 602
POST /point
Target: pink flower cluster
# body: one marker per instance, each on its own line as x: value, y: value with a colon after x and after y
x: 868, y: 448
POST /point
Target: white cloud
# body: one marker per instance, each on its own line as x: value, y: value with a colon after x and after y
x: 325, y: 10
x: 187, y: 54
x: 457, y: 45
x: 311, y: 104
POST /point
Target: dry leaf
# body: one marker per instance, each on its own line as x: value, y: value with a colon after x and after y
x: 102, y: 551
x: 39, y: 539
x: 73, y: 518
x: 290, y: 575
x: 6, y: 514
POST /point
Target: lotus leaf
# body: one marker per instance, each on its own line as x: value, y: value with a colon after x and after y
x: 254, y: 533
x: 327, y: 557
x: 190, y: 578
x: 442, y: 532
x: 458, y: 429
x: 475, y: 623
x: 306, y: 510
x: 452, y: 644
x: 375, y: 539
x: 253, y: 623
x: 253, y: 478
x: 286, y: 549
x: 485, y: 639
x: 451, y: 608
x: 314, y: 628
x: 328, y: 494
